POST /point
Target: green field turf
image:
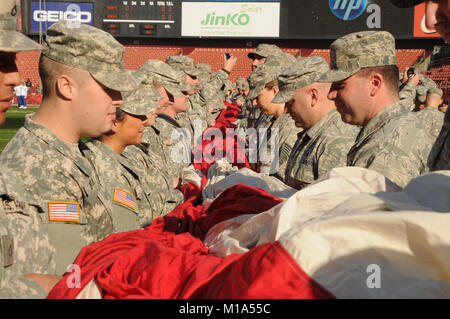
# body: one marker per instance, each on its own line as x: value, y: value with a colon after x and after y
x: 14, y: 120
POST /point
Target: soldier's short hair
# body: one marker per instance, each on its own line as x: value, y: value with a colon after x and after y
x: 389, y: 72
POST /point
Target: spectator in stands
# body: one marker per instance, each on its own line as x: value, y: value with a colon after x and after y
x: 437, y: 16
x: 29, y: 85
x: 281, y: 133
x: 82, y: 74
x: 27, y: 259
x: 365, y: 90
x: 325, y: 140
x: 21, y: 92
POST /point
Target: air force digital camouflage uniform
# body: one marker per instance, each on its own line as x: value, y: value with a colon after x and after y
x: 394, y: 142
x: 281, y: 130
x: 439, y: 157
x: 431, y: 117
x: 54, y: 172
x: 256, y: 118
x: 24, y: 245
x: 324, y: 145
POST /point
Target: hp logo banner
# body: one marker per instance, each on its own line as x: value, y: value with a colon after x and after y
x: 348, y: 9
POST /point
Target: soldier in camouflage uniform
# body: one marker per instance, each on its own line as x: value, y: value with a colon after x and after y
x: 195, y: 110
x: 325, y: 141
x: 205, y: 73
x: 228, y: 90
x: 168, y: 138
x: 393, y: 141
x: 124, y: 182
x: 431, y: 117
x: 437, y: 17
x: 256, y: 118
x: 27, y: 259
x: 82, y: 71
x: 246, y: 106
x: 281, y: 130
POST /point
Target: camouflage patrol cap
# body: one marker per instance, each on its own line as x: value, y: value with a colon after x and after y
x: 204, y: 68
x: 139, y: 101
x: 264, y: 50
x: 436, y: 91
x: 406, y: 3
x: 167, y: 76
x: 421, y: 93
x: 300, y: 74
x: 265, y: 73
x: 241, y: 83
x: 11, y: 39
x: 358, y: 50
x: 426, y: 81
x: 147, y: 80
x: 91, y: 49
x: 184, y: 63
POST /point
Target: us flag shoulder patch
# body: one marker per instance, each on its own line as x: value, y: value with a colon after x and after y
x: 64, y: 212
x: 124, y: 197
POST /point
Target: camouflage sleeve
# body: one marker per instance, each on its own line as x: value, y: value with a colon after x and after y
x: 408, y: 91
x: 439, y: 157
x: 331, y: 153
x: 395, y: 159
x: 24, y: 249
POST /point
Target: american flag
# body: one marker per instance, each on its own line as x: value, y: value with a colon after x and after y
x: 64, y: 211
x: 124, y: 197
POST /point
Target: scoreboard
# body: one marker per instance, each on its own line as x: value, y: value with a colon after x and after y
x: 136, y: 18
x: 249, y: 19
x: 121, y: 18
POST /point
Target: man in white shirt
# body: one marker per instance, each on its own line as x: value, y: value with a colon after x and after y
x: 21, y: 92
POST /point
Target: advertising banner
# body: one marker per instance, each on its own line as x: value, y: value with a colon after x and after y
x: 44, y: 14
x: 230, y: 19
x: 331, y: 19
x: 420, y: 29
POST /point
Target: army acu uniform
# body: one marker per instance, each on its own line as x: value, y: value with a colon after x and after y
x: 195, y: 111
x: 124, y: 185
x: 282, y: 128
x: 25, y: 247
x: 174, y: 140
x: 54, y: 172
x: 324, y: 145
x: 394, y: 142
x: 156, y: 182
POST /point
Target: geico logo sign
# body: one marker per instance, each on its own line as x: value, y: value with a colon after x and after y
x: 54, y: 16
